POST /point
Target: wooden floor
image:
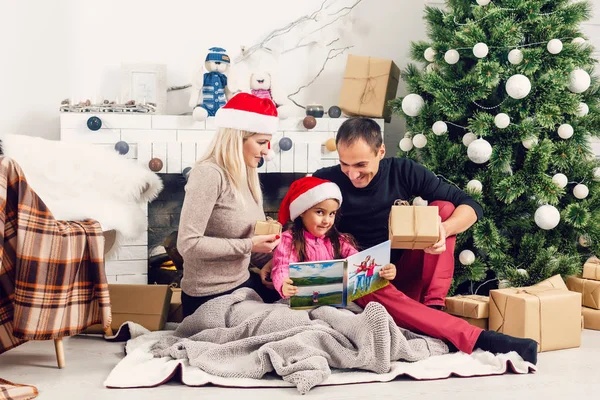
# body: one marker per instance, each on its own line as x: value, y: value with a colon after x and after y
x: 565, y: 374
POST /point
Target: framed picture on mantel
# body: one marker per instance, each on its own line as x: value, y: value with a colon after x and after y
x: 145, y: 83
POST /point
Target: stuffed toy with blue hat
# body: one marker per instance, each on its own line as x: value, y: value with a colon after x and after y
x: 210, y: 89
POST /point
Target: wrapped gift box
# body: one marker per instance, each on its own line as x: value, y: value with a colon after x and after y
x: 590, y: 291
x: 175, y: 308
x: 413, y: 227
x: 369, y: 84
x: 591, y: 318
x: 555, y: 282
x: 591, y: 269
x: 268, y: 227
x: 552, y: 317
x: 478, y: 322
x: 471, y: 306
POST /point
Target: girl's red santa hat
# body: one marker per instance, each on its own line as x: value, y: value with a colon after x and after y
x: 306, y: 193
x: 246, y: 112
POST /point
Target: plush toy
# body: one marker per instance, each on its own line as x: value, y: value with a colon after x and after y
x: 264, y: 85
x: 210, y: 90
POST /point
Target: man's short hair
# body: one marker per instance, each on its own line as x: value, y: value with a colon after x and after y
x: 357, y: 128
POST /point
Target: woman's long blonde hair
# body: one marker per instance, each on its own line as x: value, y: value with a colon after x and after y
x: 227, y: 151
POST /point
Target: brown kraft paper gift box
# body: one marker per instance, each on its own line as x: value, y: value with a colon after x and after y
x: 369, y: 84
x: 478, y: 322
x: 268, y: 227
x: 555, y: 282
x: 590, y: 291
x: 413, y: 227
x: 175, y: 308
x: 552, y: 317
x: 591, y: 318
x: 469, y: 306
x: 591, y: 269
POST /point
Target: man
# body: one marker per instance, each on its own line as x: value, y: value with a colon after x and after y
x: 370, y: 184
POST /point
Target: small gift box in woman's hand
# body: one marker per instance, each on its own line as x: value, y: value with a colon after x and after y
x: 268, y: 227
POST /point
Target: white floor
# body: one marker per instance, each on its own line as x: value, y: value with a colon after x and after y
x: 565, y: 374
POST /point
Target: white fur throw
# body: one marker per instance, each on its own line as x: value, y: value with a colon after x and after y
x: 80, y: 180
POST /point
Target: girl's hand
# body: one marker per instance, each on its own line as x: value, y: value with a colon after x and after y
x: 388, y: 272
x: 288, y: 288
x: 264, y: 243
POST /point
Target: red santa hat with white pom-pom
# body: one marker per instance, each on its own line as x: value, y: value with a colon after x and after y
x: 247, y: 112
x: 304, y: 194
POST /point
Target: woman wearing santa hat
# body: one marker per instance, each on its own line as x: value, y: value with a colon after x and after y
x: 222, y: 203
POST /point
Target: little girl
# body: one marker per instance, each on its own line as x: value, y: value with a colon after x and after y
x: 312, y: 204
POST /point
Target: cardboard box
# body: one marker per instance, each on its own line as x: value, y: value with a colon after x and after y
x: 471, y: 306
x: 268, y: 227
x: 413, y: 227
x: 590, y: 291
x: 369, y: 84
x: 555, y: 282
x: 478, y: 322
x: 591, y: 318
x: 552, y: 317
x: 591, y: 269
x: 175, y: 308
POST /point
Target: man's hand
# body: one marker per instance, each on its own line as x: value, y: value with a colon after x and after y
x: 388, y: 272
x: 288, y: 288
x: 440, y: 246
x: 265, y: 273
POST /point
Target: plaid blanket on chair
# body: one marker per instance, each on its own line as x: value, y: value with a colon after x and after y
x: 52, y: 278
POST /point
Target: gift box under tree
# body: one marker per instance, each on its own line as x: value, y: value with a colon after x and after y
x: 413, y: 227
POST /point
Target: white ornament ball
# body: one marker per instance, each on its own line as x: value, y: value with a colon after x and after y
x: 451, y: 56
x: 560, y: 180
x: 468, y: 138
x: 430, y: 67
x: 412, y: 104
x: 429, y: 54
x: 408, y: 135
x: 270, y: 155
x: 579, y: 81
x: 479, y: 151
x: 406, y: 144
x: 419, y: 201
x: 483, y: 2
x: 581, y: 191
x: 529, y: 143
x: 578, y: 40
x: 502, y: 120
x: 419, y: 141
x: 515, y: 56
x: 582, y: 110
x: 523, y: 272
x: 554, y: 46
x: 439, y: 128
x: 474, y: 186
x: 565, y: 131
x: 597, y: 174
x: 518, y: 86
x: 466, y: 257
x: 547, y: 217
x: 480, y: 50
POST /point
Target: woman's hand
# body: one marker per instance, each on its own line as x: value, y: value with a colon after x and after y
x: 288, y: 288
x: 265, y: 243
x: 388, y: 272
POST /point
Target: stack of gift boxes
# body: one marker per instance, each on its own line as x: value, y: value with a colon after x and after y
x: 588, y: 284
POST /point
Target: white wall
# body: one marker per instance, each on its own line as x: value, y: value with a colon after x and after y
x: 66, y: 48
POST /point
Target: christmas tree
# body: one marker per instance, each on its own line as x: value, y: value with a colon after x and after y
x: 503, y: 104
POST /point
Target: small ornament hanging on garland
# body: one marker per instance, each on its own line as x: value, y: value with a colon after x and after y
x: 439, y: 128
x: 466, y: 257
x: 474, y: 186
x: 412, y: 104
x: 547, y: 217
x: 419, y: 141
x: 554, y: 46
x: 480, y: 50
x: 451, y: 56
x: 581, y: 191
x: 518, y: 86
x: 560, y: 180
x: 579, y: 81
x: 529, y: 143
x: 479, y: 151
x: 502, y: 120
x: 285, y: 144
x: 406, y: 144
x: 582, y: 110
x: 565, y: 131
x: 122, y: 147
x: 515, y: 56
x: 429, y: 54
x: 468, y: 138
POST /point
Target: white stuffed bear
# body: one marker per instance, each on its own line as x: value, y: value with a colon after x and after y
x: 263, y: 84
x: 210, y: 90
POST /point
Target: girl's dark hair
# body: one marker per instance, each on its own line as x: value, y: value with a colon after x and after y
x: 333, y: 235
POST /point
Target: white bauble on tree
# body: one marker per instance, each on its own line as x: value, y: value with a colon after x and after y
x: 468, y: 138
x: 582, y: 110
x: 474, y: 186
x: 547, y: 217
x: 439, y: 128
x: 466, y: 257
x: 270, y: 155
x: 406, y: 144
x: 412, y: 104
x: 429, y: 54
x: 483, y: 2
x: 451, y: 56
x: 515, y: 56
x: 523, y: 272
x: 560, y: 180
x: 565, y: 131
x: 419, y: 141
x: 529, y: 143
x: 579, y: 81
x: 479, y: 151
x: 581, y: 191
x: 597, y: 174
x: 419, y: 201
x: 480, y: 50
x: 502, y: 120
x: 430, y: 67
x: 578, y: 40
x: 554, y: 46
x: 518, y: 86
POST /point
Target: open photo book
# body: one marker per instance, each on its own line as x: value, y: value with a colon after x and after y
x: 339, y: 282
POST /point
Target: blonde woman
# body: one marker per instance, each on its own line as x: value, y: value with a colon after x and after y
x: 222, y: 203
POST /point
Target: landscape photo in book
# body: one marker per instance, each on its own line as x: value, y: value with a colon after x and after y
x: 318, y: 283
x: 363, y: 271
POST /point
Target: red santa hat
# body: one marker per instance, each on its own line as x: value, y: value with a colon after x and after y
x: 304, y: 194
x: 247, y: 112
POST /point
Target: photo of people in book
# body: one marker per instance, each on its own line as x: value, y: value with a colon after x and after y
x: 363, y: 271
x: 318, y: 284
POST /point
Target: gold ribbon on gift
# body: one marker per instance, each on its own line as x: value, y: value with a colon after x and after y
x: 399, y: 202
x: 370, y: 85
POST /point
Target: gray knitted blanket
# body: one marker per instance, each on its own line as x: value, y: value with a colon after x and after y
x: 237, y: 335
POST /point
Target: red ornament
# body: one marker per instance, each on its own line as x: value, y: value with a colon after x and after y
x: 155, y: 164
x: 309, y: 122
